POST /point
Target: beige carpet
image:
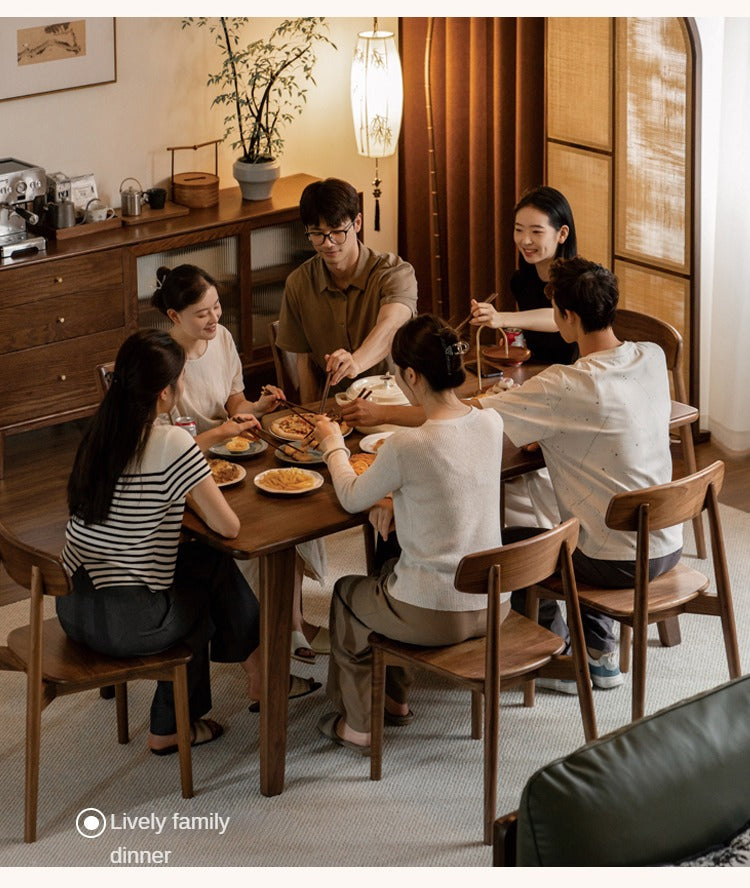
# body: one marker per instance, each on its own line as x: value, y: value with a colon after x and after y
x: 426, y: 811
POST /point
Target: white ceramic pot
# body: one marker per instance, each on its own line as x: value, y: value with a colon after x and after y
x: 385, y: 390
x: 256, y: 179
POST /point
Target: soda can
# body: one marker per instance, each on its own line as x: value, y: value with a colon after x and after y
x: 515, y: 337
x: 187, y: 422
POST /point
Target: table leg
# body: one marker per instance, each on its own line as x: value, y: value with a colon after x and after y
x: 276, y: 591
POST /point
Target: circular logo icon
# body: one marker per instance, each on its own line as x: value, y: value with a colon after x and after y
x: 91, y: 823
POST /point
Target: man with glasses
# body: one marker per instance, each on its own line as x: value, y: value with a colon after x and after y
x: 341, y: 307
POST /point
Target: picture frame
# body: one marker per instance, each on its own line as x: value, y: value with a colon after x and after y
x: 48, y: 55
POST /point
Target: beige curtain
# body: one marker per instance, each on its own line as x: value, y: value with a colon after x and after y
x: 486, y: 94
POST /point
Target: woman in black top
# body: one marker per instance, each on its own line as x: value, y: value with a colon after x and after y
x: 543, y: 231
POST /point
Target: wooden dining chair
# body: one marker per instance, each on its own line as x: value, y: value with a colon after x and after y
x: 55, y: 666
x: 637, y: 327
x: 514, y: 652
x: 681, y: 590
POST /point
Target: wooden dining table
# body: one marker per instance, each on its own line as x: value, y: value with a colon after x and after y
x: 270, y: 528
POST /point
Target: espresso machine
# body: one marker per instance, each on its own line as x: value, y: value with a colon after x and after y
x: 20, y: 183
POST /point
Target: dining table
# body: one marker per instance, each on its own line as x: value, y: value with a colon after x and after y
x: 271, y: 526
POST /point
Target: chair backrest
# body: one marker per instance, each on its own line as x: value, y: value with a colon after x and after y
x: 20, y: 560
x: 104, y: 376
x: 285, y: 364
x: 520, y: 564
x: 637, y: 327
x: 668, y: 504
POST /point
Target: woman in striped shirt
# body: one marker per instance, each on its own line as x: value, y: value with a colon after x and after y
x: 136, y: 589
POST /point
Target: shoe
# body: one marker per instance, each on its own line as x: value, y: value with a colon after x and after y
x: 321, y: 641
x: 205, y: 730
x: 298, y: 687
x: 561, y: 685
x: 301, y: 650
x: 605, y: 671
x: 397, y: 721
x: 327, y: 727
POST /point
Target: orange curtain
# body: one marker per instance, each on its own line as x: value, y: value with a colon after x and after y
x: 486, y: 91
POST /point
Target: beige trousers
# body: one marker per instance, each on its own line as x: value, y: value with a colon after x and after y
x: 361, y: 605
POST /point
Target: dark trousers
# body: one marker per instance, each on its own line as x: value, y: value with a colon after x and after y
x: 597, y: 628
x: 209, y: 605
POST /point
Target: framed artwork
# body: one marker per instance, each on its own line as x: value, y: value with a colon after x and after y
x: 44, y: 55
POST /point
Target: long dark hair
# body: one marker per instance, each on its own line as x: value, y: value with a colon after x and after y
x: 555, y: 205
x: 147, y: 362
x: 428, y: 345
x: 179, y: 287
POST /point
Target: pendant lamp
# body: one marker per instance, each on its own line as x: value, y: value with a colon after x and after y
x: 377, y: 94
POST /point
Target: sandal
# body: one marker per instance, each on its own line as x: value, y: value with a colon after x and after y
x: 321, y: 641
x: 298, y: 687
x: 205, y: 730
x: 327, y: 727
x: 302, y: 651
x: 397, y: 721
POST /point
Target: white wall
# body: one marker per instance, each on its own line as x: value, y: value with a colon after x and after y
x: 161, y: 99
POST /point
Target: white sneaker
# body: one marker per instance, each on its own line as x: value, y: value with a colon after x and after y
x: 561, y: 685
x: 605, y: 671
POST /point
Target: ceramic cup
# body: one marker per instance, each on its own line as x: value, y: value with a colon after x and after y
x: 98, y: 211
x: 156, y: 198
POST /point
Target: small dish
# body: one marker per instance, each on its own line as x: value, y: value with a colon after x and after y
x: 367, y: 444
x: 310, y: 457
x: 255, y: 449
x: 239, y: 475
x: 262, y: 482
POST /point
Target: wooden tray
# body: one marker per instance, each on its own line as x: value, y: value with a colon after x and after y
x: 170, y: 211
x: 80, y: 230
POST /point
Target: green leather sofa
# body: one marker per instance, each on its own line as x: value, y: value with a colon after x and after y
x: 655, y: 792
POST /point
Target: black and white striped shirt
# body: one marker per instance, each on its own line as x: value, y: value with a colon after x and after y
x: 137, y: 544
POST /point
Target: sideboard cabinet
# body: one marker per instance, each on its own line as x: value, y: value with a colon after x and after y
x: 67, y: 310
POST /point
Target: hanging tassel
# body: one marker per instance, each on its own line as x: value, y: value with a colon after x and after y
x: 376, y: 192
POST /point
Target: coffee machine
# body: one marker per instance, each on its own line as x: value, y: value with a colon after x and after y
x: 20, y: 183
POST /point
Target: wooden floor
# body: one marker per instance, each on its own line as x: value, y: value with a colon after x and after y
x: 37, y: 464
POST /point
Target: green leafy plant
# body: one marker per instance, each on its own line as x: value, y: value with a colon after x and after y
x: 263, y: 83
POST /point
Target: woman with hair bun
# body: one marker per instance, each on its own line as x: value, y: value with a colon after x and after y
x: 440, y: 484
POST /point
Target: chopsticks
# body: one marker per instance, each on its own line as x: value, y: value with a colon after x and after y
x: 261, y: 434
x: 490, y: 299
x: 326, y: 389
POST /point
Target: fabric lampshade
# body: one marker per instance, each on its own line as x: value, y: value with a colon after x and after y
x: 377, y: 93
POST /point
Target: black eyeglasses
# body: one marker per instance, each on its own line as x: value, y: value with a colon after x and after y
x: 337, y: 237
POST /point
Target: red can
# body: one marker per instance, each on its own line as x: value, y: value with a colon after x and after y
x: 515, y: 337
x: 187, y: 422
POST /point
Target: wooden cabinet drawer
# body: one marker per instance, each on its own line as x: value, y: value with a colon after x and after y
x: 60, y: 317
x: 90, y: 273
x: 53, y: 379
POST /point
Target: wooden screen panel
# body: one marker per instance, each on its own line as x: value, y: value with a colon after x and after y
x: 660, y: 295
x: 579, y: 81
x: 585, y: 179
x: 653, y: 162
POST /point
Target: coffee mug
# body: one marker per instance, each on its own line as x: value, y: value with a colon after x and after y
x: 156, y: 198
x: 97, y: 211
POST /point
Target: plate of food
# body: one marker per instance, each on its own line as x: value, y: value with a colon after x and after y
x: 372, y: 443
x: 292, y: 427
x: 361, y: 462
x: 296, y: 452
x: 238, y: 447
x: 288, y: 482
x: 226, y: 473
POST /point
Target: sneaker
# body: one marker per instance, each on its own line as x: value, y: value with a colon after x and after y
x: 605, y: 672
x: 561, y: 685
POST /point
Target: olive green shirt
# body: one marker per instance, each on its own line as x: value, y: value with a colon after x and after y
x: 316, y: 318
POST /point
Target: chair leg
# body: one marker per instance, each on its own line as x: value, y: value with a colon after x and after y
x: 477, y: 715
x: 688, y: 453
x: 376, y: 713
x: 626, y: 640
x: 669, y: 632
x: 182, y: 715
x: 369, y: 548
x: 491, y: 728
x: 532, y: 612
x: 33, y: 739
x: 121, y: 704
x: 639, y: 670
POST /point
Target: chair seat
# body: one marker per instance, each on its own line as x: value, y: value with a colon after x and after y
x: 682, y: 414
x: 66, y: 662
x: 529, y: 647
x: 673, y: 589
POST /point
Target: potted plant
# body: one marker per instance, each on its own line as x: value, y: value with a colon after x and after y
x: 263, y: 85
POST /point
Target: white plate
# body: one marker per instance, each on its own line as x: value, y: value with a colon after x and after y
x: 317, y: 482
x: 368, y: 444
x: 255, y: 449
x: 315, y: 456
x: 240, y: 477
